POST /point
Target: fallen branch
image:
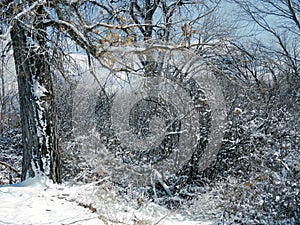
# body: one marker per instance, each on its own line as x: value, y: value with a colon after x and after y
x: 165, y: 186
x: 10, y: 167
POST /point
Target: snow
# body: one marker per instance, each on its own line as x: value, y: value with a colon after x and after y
x: 39, y: 201
x: 39, y: 92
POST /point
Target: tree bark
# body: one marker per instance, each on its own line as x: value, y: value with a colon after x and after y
x: 41, y: 153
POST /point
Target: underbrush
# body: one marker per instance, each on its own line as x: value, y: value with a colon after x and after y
x: 254, y: 180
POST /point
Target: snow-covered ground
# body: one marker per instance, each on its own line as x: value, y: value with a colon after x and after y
x: 39, y: 201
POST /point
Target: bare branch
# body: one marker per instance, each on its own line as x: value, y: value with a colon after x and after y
x: 293, y: 13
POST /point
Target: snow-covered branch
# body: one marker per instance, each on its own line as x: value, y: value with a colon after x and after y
x: 112, y: 26
x: 20, y: 15
x: 62, y: 23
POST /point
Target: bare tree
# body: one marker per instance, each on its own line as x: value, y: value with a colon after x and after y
x: 280, y: 21
x: 38, y: 111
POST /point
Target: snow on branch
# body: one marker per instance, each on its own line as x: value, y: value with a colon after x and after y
x: 20, y: 15
x: 10, y: 167
x: 112, y: 26
x: 71, y: 27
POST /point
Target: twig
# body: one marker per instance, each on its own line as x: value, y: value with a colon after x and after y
x: 76, y: 221
x: 163, y: 218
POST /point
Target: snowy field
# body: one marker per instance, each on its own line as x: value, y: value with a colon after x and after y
x: 39, y: 201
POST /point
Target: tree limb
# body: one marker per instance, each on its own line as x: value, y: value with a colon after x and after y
x: 10, y: 167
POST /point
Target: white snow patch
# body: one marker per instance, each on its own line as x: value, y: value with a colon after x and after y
x: 39, y: 90
x: 39, y: 201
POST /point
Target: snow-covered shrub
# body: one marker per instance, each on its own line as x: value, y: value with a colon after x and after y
x: 10, y: 155
x: 259, y: 159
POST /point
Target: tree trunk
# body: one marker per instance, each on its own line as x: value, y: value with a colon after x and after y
x: 41, y: 154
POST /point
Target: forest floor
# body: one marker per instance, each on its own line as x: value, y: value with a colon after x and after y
x: 39, y: 201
